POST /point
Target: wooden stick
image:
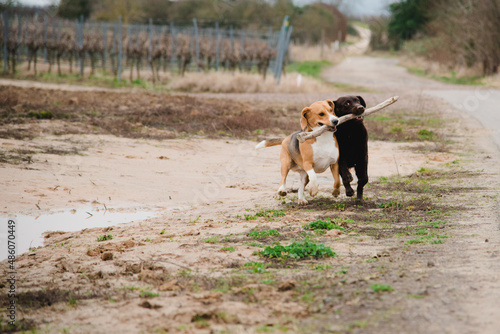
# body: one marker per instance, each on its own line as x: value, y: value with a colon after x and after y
x: 303, y: 136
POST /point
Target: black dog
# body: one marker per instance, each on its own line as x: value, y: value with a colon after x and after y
x: 353, y: 144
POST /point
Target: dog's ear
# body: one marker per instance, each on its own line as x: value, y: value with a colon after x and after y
x: 336, y: 104
x: 331, y: 104
x: 363, y: 103
x: 303, y: 118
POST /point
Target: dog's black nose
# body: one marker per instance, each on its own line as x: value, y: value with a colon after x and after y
x: 335, y: 122
x: 361, y: 108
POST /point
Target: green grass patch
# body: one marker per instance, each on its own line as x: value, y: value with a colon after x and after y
x: 212, y: 240
x: 451, y: 79
x: 321, y: 267
x: 387, y: 205
x: 298, y: 250
x: 426, y: 238
x: 149, y: 294
x: 312, y: 68
x: 256, y: 267
x: 40, y: 114
x: 229, y: 249
x: 378, y: 288
x: 267, y: 213
x: 263, y: 234
x: 425, y: 134
x: 327, y: 224
x: 404, y: 125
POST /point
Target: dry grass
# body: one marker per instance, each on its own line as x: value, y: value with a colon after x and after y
x: 313, y: 52
x: 433, y: 68
x: 140, y: 114
x: 227, y: 82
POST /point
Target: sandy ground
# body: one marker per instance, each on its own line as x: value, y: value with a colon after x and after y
x: 119, y: 172
x: 177, y: 272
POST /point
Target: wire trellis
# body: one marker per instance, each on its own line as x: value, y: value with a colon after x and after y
x: 85, y: 47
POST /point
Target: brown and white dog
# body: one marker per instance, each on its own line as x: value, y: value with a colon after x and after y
x: 314, y: 155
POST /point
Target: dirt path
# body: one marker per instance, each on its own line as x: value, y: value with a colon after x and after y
x: 428, y: 230
x: 477, y: 264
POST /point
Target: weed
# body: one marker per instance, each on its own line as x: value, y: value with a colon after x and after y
x: 212, y: 240
x: 104, y: 237
x: 72, y: 301
x: 266, y: 213
x: 256, y: 267
x: 228, y: 249
x: 254, y: 244
x: 425, y: 134
x: 149, y: 294
x: 386, y: 205
x: 338, y: 206
x: 162, y: 232
x: 263, y: 234
x: 200, y: 322
x: 327, y: 224
x: 250, y: 217
x: 40, y: 114
x: 381, y: 288
x: 321, y: 267
x: 298, y: 250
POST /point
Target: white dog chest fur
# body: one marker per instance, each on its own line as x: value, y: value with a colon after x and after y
x: 325, y: 152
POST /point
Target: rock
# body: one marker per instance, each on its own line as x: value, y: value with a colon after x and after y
x: 430, y: 263
x: 148, y: 305
x: 289, y: 284
x: 128, y: 244
x: 170, y: 286
x: 107, y: 256
x: 333, y: 233
x: 73, y: 100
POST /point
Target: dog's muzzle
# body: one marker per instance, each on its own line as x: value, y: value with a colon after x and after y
x: 332, y: 128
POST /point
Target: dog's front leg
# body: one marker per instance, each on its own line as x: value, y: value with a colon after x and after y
x: 304, y: 180
x: 336, y: 179
x: 313, y: 188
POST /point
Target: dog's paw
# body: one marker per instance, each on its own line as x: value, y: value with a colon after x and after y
x: 349, y: 192
x: 302, y: 201
x: 282, y: 193
x: 336, y: 192
x: 313, y: 189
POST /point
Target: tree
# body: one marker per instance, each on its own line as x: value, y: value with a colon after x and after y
x: 408, y: 18
x: 313, y: 21
x: 73, y: 9
x: 110, y: 10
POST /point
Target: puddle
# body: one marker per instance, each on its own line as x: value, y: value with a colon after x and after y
x: 29, y: 229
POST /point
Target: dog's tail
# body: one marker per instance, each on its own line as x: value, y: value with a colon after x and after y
x: 269, y: 142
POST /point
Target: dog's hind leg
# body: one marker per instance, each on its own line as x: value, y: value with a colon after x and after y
x: 304, y: 180
x: 286, y: 164
x: 362, y: 174
x: 346, y: 179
